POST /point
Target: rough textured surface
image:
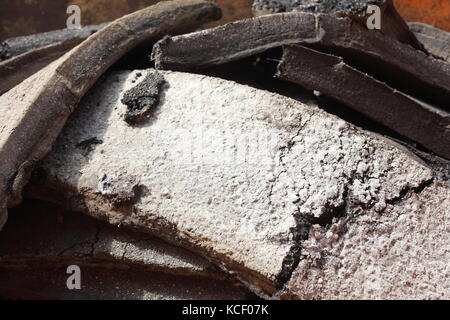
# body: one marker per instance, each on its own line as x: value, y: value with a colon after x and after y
x: 398, y: 64
x: 142, y: 98
x: 235, y: 173
x: 392, y: 24
x: 330, y: 76
x: 403, y: 253
x: 34, y: 112
x: 435, y: 40
x: 316, y: 6
x: 133, y: 284
x: 41, y: 234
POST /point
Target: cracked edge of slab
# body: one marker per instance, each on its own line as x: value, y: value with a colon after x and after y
x: 331, y: 76
x: 233, y: 41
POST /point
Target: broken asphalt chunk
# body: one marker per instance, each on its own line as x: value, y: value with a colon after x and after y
x: 392, y: 24
x: 397, y: 64
x: 330, y: 76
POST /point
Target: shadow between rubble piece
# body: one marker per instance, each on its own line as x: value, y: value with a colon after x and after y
x: 42, y: 234
x: 49, y: 283
x: 329, y: 75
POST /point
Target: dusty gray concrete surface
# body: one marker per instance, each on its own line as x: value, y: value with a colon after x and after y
x: 34, y: 112
x: 237, y: 174
x: 402, y: 253
x: 41, y: 234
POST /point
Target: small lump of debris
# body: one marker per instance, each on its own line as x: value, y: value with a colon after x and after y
x: 141, y: 99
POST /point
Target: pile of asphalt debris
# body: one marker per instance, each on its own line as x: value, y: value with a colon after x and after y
x: 120, y: 152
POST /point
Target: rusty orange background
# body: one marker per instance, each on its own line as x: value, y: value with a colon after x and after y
x: 23, y: 17
x: 434, y: 12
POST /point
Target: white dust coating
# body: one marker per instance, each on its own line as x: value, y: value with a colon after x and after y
x: 221, y: 167
x: 403, y: 253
